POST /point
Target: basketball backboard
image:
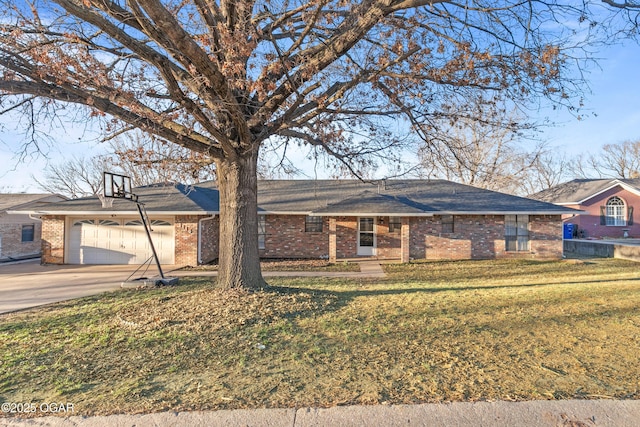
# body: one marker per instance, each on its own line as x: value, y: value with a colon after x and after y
x: 117, y: 186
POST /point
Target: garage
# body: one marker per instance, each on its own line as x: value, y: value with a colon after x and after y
x: 118, y: 241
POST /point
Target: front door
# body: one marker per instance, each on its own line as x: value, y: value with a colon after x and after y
x: 366, y: 236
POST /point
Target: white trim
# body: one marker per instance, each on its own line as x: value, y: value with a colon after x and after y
x: 572, y: 211
x: 117, y: 213
x: 369, y: 214
x: 430, y: 214
x: 372, y: 249
x: 614, y: 184
x: 306, y: 213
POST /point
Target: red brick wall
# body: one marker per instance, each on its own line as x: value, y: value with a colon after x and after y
x: 482, y: 237
x: 546, y: 236
x: 286, y: 238
x: 346, y: 237
x: 53, y: 239
x: 388, y: 243
x: 186, y: 235
x: 473, y: 237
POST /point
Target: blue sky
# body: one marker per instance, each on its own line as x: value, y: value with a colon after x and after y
x: 612, y: 115
x: 613, y: 106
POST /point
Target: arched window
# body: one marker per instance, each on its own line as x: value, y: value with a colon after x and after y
x: 615, y: 211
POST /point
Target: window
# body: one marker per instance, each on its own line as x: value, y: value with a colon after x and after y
x: 28, y: 232
x: 108, y: 223
x: 313, y: 224
x: 516, y: 233
x: 447, y: 223
x: 262, y: 231
x: 81, y: 222
x: 614, y: 212
x: 395, y: 225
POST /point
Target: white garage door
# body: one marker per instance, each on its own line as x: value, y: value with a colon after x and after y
x: 118, y: 241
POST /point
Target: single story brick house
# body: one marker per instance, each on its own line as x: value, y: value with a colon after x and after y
x: 20, y: 232
x: 607, y: 206
x: 332, y: 219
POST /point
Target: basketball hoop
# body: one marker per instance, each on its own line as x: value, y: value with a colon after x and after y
x: 116, y: 186
x: 107, y: 202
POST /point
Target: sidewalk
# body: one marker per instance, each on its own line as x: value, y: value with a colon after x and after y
x: 368, y: 268
x: 543, y: 413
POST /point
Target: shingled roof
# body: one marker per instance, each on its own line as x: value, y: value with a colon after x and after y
x: 579, y: 190
x: 323, y: 197
x: 10, y: 201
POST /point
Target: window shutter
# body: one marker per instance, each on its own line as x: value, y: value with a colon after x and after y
x: 603, y: 219
x: 630, y: 215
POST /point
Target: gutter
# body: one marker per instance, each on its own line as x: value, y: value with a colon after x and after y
x: 200, y: 221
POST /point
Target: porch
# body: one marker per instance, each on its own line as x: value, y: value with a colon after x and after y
x: 369, y: 237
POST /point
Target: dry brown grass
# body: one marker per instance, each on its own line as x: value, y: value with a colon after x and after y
x: 430, y: 332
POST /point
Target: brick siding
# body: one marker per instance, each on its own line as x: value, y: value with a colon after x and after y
x: 346, y: 237
x: 387, y: 242
x: 12, y: 245
x: 482, y: 237
x: 546, y: 236
x: 53, y: 239
x: 186, y: 235
x: 474, y: 237
x: 286, y: 238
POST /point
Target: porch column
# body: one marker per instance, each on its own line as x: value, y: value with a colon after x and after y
x: 404, y: 240
x: 333, y: 250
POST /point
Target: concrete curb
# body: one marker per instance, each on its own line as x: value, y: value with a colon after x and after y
x: 541, y: 413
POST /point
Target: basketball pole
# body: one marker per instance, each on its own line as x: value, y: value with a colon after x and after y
x: 116, y: 186
x: 148, y: 231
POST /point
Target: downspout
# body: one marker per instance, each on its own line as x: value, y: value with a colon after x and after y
x: 200, y: 221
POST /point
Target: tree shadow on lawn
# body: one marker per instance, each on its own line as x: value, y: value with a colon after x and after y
x: 411, y: 288
x: 468, y: 300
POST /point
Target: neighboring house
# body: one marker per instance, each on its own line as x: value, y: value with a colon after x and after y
x: 333, y: 219
x: 20, y: 233
x: 608, y: 206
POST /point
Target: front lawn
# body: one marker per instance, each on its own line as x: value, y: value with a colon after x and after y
x: 429, y: 332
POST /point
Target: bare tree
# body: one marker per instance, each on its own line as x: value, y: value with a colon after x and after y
x: 581, y: 166
x: 620, y: 160
x: 550, y: 169
x: 146, y: 160
x: 75, y: 178
x: 485, y: 154
x: 223, y: 77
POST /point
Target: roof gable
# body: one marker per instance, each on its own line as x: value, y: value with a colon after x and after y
x: 579, y: 191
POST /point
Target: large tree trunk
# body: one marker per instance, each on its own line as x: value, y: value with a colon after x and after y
x: 239, y: 260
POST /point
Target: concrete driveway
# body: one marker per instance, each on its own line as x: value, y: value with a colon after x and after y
x: 29, y: 284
